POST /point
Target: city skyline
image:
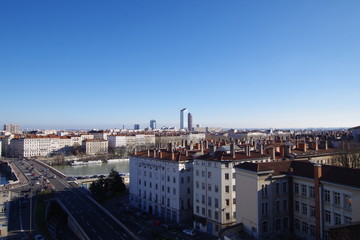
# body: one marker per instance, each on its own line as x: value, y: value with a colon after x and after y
x: 234, y: 64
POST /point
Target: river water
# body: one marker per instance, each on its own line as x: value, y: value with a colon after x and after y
x: 94, y: 169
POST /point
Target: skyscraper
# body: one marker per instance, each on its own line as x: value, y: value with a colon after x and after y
x: 190, y: 125
x: 182, y: 111
x: 12, y: 128
x: 153, y: 124
x: 136, y: 126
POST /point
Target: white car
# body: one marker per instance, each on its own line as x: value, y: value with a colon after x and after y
x: 190, y: 232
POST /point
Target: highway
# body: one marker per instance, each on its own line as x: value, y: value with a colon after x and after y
x: 95, y: 223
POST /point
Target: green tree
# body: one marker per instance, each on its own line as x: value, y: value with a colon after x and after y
x: 116, y: 182
x: 99, y: 189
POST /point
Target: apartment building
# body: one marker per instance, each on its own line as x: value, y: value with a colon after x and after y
x: 147, y: 140
x: 95, y: 146
x: 161, y: 183
x: 296, y: 197
x: 99, y: 134
x: 214, y: 186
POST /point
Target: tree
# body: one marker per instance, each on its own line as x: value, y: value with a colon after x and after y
x: 98, y: 189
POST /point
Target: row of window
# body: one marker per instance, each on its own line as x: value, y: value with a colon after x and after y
x: 336, y: 218
x: 216, y: 213
x: 331, y: 197
x: 305, y: 227
x: 279, y: 224
x: 280, y: 205
x: 216, y: 187
x: 209, y: 200
x: 212, y: 164
x: 279, y: 188
x: 307, y: 210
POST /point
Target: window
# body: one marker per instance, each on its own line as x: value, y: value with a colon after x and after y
x: 327, y: 196
x: 336, y: 198
x: 327, y: 216
x: 203, y: 211
x: 203, y: 173
x: 234, y: 200
x: 168, y: 189
x: 234, y: 188
x: 303, y: 190
x: 347, y: 201
x: 209, y: 187
x: 209, y: 174
x: 209, y: 201
x: 264, y: 208
x: 337, y: 219
x: 203, y: 199
x: 264, y: 190
x: 227, y: 202
x: 277, y: 224
x: 226, y: 176
x: 209, y: 213
x: 197, y: 172
x: 174, y: 191
x: 197, y: 209
x: 296, y: 188
x: 145, y: 183
x: 285, y: 223
x: 203, y: 186
x: 277, y: 206
x: 234, y: 214
x: 226, y: 165
x: 168, y: 178
x: 312, y: 192
x: 297, y: 206
x: 139, y: 181
x: 284, y: 187
x: 233, y: 175
x: 277, y: 188
x: 305, y: 227
x: 265, y: 227
x: 216, y: 188
x: 216, y: 202
x: 216, y: 215
x: 285, y: 205
x: 297, y: 224
x: 174, y: 180
x: 227, y: 216
x: 304, y: 209
x: 312, y: 230
x: 227, y: 190
x: 312, y: 211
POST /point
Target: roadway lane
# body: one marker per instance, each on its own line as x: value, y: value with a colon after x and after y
x: 91, y: 218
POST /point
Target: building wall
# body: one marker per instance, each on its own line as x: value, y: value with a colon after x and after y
x: 161, y: 187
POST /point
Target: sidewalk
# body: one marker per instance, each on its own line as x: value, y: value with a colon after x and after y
x: 5, y: 197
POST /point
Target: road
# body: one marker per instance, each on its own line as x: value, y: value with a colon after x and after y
x: 95, y: 223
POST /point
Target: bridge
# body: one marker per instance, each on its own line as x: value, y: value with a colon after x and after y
x: 85, y: 217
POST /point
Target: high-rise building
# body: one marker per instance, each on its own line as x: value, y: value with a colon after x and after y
x: 136, y: 126
x: 190, y: 126
x: 182, y: 112
x: 153, y: 124
x: 12, y: 128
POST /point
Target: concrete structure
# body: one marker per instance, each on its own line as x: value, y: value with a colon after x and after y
x: 190, y: 122
x: 161, y: 184
x: 12, y: 128
x: 182, y: 123
x: 295, y: 197
x: 138, y: 140
x: 99, y: 134
x: 95, y: 146
x: 152, y: 124
x: 214, y: 187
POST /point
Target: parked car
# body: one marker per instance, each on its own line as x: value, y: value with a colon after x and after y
x: 39, y: 237
x: 189, y: 232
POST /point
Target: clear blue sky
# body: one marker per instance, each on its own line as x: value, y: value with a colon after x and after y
x: 233, y: 63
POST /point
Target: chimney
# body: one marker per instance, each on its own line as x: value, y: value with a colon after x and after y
x: 317, y: 176
x: 326, y: 145
x: 261, y: 148
x: 212, y: 150
x: 172, y: 155
x: 247, y: 150
x: 232, y: 150
x: 186, y: 153
x: 316, y: 145
x: 202, y: 148
x: 154, y: 153
x: 303, y: 145
x: 282, y: 151
x: 272, y: 153
x: 135, y: 152
x: 206, y: 144
x: 160, y: 154
x: 148, y: 152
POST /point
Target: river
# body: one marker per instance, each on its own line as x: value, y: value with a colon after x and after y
x: 94, y: 169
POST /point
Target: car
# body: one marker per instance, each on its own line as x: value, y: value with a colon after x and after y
x: 37, y: 182
x: 189, y: 232
x: 39, y: 237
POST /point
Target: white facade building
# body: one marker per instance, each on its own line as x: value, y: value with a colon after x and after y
x: 214, y: 188
x: 147, y: 140
x: 95, y: 146
x: 161, y: 184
